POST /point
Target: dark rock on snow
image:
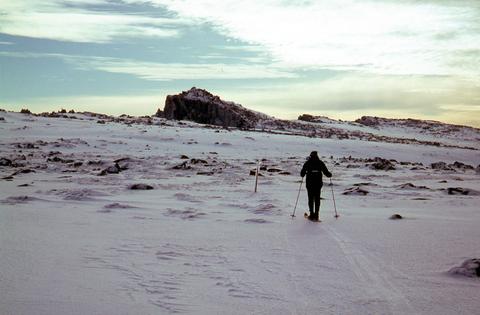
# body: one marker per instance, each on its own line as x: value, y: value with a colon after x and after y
x: 114, y: 169
x: 411, y: 186
x: 355, y: 191
x: 461, y: 191
x: 461, y: 165
x: 382, y: 164
x: 396, y: 216
x: 202, y: 107
x: 5, y: 162
x: 182, y: 166
x: 141, y: 187
x: 439, y: 166
x: 469, y: 268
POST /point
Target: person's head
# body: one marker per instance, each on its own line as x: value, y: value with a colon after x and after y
x: 314, y: 155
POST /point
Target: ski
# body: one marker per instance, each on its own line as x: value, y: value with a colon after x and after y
x: 307, y: 217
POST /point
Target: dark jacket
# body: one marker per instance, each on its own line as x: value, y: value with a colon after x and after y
x: 314, y: 168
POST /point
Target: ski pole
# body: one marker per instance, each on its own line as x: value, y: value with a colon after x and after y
x: 256, y: 176
x: 296, y: 202
x: 333, y: 196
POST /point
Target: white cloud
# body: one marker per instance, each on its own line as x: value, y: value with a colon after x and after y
x: 179, y: 71
x: 54, y: 20
x: 461, y: 107
x: 379, y: 36
x: 157, y: 71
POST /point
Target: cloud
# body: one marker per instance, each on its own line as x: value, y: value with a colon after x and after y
x: 56, y: 20
x: 178, y: 71
x: 346, y: 33
x: 461, y: 107
x: 158, y: 71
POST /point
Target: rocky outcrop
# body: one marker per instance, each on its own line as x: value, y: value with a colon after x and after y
x: 469, y: 268
x: 382, y: 164
x: 203, y: 107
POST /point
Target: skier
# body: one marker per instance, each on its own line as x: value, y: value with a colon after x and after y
x: 314, y: 168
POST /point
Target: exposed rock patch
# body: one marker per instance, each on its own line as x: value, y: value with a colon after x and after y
x: 382, y: 164
x: 203, y: 107
x: 396, y: 216
x: 140, y: 186
x: 411, y: 186
x: 113, y: 169
x: 469, y: 268
x: 356, y: 191
x: 461, y: 191
x: 5, y: 162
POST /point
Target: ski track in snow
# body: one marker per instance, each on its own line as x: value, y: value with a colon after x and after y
x: 381, y: 289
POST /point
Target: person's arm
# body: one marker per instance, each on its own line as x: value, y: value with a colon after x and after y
x: 325, y: 170
x: 304, y: 169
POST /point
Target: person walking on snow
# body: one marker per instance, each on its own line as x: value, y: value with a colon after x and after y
x: 314, y: 168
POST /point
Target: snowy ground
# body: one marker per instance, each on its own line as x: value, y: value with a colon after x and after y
x: 201, y: 242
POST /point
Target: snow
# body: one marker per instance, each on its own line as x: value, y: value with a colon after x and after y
x: 74, y: 242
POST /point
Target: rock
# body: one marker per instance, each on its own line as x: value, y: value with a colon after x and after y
x: 254, y: 171
x: 198, y: 161
x: 396, y: 216
x: 368, y: 121
x: 461, y: 191
x: 469, y: 268
x: 440, y: 166
x: 26, y: 146
x: 202, y: 107
x: 94, y: 162
x: 58, y: 159
x: 207, y: 173
x: 306, y: 117
x: 274, y: 170
x: 23, y: 171
x: 382, y: 164
x: 462, y: 166
x: 284, y: 173
x: 411, y: 186
x: 356, y: 191
x: 182, y: 166
x: 184, y: 157
x: 101, y: 122
x: 5, y: 162
x: 114, y: 169
x: 353, y: 166
x: 315, y: 119
x: 159, y: 113
x: 141, y: 187
x: 122, y: 163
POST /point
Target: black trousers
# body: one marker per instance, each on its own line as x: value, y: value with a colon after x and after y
x: 314, y: 199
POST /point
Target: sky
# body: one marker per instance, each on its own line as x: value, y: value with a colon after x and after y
x: 342, y: 59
